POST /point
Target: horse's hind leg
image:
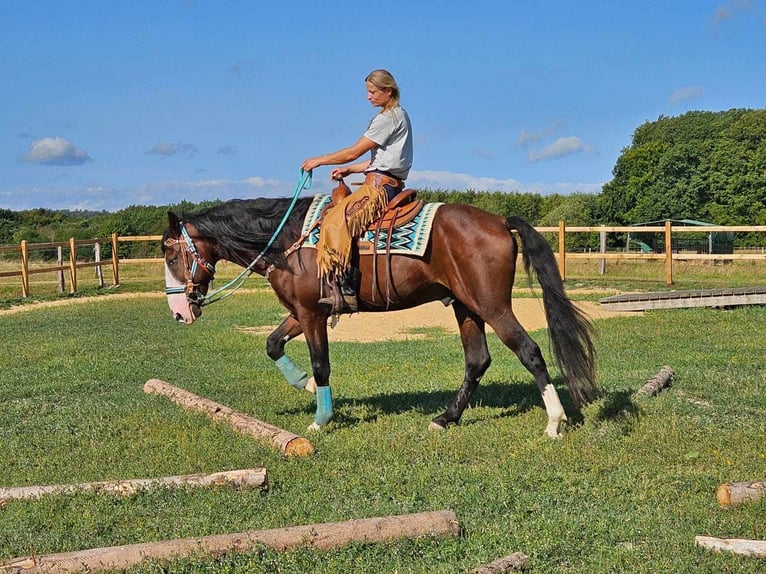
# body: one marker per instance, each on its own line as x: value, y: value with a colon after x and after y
x: 477, y: 361
x: 518, y: 340
x: 275, y: 349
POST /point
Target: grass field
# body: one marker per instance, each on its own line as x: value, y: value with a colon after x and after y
x: 626, y: 490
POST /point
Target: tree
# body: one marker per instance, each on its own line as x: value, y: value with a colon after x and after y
x: 701, y: 165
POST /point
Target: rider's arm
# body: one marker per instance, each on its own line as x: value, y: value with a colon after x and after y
x: 341, y: 156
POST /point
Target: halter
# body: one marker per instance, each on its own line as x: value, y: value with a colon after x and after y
x: 304, y: 182
x: 189, y: 250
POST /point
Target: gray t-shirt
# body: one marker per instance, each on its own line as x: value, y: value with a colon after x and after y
x: 392, y: 131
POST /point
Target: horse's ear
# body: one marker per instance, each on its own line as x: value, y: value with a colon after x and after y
x: 174, y: 224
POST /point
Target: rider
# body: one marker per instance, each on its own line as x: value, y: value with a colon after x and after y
x: 388, y: 138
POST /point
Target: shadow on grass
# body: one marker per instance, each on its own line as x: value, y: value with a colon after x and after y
x: 620, y: 409
x: 513, y: 398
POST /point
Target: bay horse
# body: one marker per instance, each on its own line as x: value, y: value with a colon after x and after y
x: 469, y: 264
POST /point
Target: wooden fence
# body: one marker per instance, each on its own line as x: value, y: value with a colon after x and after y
x: 602, y: 255
x: 72, y: 265
x: 668, y: 255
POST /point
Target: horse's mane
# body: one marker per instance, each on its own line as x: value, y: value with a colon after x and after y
x: 241, y: 228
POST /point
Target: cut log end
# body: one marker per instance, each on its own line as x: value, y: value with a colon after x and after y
x: 723, y: 495
x: 732, y: 493
x: 299, y: 446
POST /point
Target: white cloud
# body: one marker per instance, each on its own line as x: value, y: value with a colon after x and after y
x: 685, y: 93
x: 526, y: 136
x: 261, y: 182
x: 562, y: 147
x: 55, y: 151
x: 171, y: 149
x: 460, y: 181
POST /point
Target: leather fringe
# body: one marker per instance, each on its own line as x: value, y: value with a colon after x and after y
x: 343, y: 223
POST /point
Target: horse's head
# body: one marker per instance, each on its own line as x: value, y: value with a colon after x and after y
x: 189, y: 268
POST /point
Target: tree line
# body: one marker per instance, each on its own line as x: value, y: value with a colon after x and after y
x: 707, y: 166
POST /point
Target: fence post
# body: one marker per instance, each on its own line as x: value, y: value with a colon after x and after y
x: 602, y: 249
x: 24, y: 269
x: 97, y: 257
x: 60, y: 272
x: 668, y: 253
x: 562, y: 250
x: 72, y: 266
x: 115, y: 261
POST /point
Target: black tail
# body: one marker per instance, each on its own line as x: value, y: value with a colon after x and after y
x: 569, y: 330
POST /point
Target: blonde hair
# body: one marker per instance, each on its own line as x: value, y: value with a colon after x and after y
x: 383, y: 79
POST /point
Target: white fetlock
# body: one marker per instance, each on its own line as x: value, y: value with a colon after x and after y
x: 311, y: 386
x: 313, y: 427
x: 436, y: 427
x: 555, y: 411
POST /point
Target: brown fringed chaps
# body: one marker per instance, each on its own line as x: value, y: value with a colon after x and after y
x: 343, y: 223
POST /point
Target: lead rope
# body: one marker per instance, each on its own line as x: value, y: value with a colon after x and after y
x: 304, y: 182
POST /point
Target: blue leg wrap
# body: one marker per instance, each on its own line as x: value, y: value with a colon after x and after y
x: 324, y: 406
x: 292, y: 373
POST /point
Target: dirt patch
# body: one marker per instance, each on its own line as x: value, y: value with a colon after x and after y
x: 415, y: 323
x: 368, y: 327
x: 72, y: 301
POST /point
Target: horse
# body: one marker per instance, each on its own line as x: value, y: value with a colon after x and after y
x: 469, y: 264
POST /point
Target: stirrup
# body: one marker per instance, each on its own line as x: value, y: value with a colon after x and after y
x: 339, y: 302
x: 340, y: 305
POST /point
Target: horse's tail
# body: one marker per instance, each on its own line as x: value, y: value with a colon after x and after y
x: 569, y: 329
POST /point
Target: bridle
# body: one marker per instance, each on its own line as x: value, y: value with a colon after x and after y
x: 192, y: 261
x: 189, y: 251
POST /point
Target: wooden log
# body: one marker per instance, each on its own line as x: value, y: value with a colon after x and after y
x: 515, y: 562
x: 288, y: 443
x: 755, y: 548
x: 317, y: 536
x: 657, y: 382
x: 733, y: 493
x: 246, y: 478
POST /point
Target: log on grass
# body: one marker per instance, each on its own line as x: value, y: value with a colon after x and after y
x: 733, y: 493
x: 657, y: 382
x: 290, y: 444
x: 515, y: 562
x: 245, y: 478
x: 441, y: 523
x: 755, y: 548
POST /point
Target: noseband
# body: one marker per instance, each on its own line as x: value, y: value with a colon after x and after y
x: 192, y: 260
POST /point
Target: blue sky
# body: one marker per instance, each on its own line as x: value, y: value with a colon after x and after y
x: 106, y: 104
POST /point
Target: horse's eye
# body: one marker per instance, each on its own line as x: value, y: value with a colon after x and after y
x: 172, y: 262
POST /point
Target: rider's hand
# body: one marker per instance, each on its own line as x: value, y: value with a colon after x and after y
x: 310, y: 164
x: 339, y: 173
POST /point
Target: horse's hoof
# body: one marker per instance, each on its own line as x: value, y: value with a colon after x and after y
x: 436, y: 427
x: 311, y: 386
x: 313, y: 427
x: 552, y: 431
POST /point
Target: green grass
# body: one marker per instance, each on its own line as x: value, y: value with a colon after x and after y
x: 625, y: 490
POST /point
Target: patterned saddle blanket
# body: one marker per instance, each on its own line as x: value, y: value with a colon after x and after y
x: 410, y: 238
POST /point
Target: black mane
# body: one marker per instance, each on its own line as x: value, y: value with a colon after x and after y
x: 241, y: 228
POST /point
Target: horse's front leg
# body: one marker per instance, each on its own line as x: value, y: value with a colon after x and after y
x: 275, y: 349
x: 315, y: 329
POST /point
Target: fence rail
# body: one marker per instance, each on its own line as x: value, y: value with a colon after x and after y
x: 561, y: 231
